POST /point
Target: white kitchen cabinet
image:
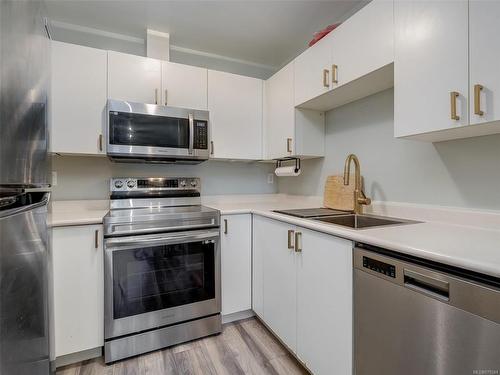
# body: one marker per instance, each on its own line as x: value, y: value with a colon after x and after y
x: 78, y: 288
x: 279, y: 114
x: 236, y: 251
x: 484, y: 50
x: 78, y: 99
x: 353, y: 61
x: 289, y: 131
x: 184, y: 86
x: 313, y: 71
x: 306, y: 292
x: 324, y: 303
x: 280, y: 278
x: 235, y: 105
x: 430, y: 66
x: 363, y: 43
x: 134, y: 78
x: 258, y: 255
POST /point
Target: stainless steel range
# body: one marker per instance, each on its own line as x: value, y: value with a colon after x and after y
x: 161, y: 266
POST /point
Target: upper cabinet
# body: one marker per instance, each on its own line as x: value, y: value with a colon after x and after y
x: 184, y: 86
x: 134, y: 78
x: 445, y: 69
x: 235, y: 105
x: 353, y: 61
x: 313, y: 71
x: 430, y: 69
x: 484, y: 28
x: 78, y: 99
x: 363, y: 43
x: 289, y: 131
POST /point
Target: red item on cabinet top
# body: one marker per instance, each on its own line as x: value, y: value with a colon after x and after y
x: 318, y: 35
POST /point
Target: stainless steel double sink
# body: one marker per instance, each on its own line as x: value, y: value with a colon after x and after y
x: 356, y: 221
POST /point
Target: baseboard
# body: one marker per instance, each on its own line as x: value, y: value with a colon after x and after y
x: 69, y: 359
x: 237, y: 316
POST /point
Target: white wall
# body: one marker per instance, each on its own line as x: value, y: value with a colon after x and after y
x: 462, y: 173
x: 88, y: 177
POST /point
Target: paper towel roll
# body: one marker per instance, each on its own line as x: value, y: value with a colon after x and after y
x: 286, y: 171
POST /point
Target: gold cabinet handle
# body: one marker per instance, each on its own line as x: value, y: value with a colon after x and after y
x: 166, y: 96
x: 211, y: 147
x: 453, y: 104
x: 298, y: 242
x: 100, y: 142
x: 326, y: 74
x: 335, y: 78
x: 96, y: 239
x: 289, y: 145
x: 225, y: 226
x: 156, y: 96
x: 290, y: 239
x: 477, y: 100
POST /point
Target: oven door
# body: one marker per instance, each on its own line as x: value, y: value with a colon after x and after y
x: 160, y: 279
x: 147, y: 131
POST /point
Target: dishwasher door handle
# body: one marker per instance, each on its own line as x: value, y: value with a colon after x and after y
x: 426, y: 284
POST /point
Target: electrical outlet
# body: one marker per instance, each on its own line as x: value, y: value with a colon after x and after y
x: 54, y: 178
x: 270, y: 178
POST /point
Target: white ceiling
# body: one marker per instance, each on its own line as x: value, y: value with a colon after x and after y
x: 265, y: 32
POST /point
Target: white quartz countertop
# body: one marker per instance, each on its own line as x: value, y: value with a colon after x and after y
x: 444, y: 237
x: 84, y: 212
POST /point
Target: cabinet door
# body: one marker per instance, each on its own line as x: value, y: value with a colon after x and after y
x: 236, y: 251
x: 324, y: 303
x: 78, y: 99
x: 134, y: 78
x: 235, y: 105
x: 280, y: 281
x: 184, y: 86
x: 77, y: 258
x: 313, y: 71
x: 484, y: 23
x: 431, y: 63
x: 257, y: 266
x: 363, y: 43
x: 279, y: 114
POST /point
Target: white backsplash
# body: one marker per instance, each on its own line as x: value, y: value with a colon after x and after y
x: 88, y: 177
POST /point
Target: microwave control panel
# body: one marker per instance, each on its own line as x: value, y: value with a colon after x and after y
x: 200, y: 136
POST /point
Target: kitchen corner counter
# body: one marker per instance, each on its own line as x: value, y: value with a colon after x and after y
x: 462, y: 238
x: 84, y: 212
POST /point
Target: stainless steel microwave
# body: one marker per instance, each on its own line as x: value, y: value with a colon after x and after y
x: 150, y: 133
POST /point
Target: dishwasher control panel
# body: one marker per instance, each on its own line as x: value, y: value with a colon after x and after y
x: 380, y: 267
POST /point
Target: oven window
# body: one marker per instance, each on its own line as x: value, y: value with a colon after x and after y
x: 155, y: 278
x: 132, y: 129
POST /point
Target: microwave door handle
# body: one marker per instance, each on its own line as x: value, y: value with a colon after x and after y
x: 191, y: 133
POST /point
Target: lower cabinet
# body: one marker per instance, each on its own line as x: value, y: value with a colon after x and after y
x: 303, y: 292
x: 78, y: 288
x: 236, y: 263
x: 324, y: 302
x: 280, y: 278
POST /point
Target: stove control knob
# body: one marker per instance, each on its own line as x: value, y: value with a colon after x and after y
x: 182, y: 183
x: 193, y: 183
x: 130, y: 183
x: 118, y: 184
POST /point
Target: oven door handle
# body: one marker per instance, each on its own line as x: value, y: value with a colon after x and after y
x: 162, y: 239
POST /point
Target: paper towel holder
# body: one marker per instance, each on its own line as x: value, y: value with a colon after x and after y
x: 297, y: 163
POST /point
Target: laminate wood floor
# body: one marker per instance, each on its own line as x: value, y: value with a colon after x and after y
x: 244, y: 347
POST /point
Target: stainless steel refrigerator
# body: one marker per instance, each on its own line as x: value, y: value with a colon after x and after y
x: 24, y: 196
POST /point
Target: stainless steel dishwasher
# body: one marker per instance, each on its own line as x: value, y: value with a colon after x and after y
x: 416, y: 317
